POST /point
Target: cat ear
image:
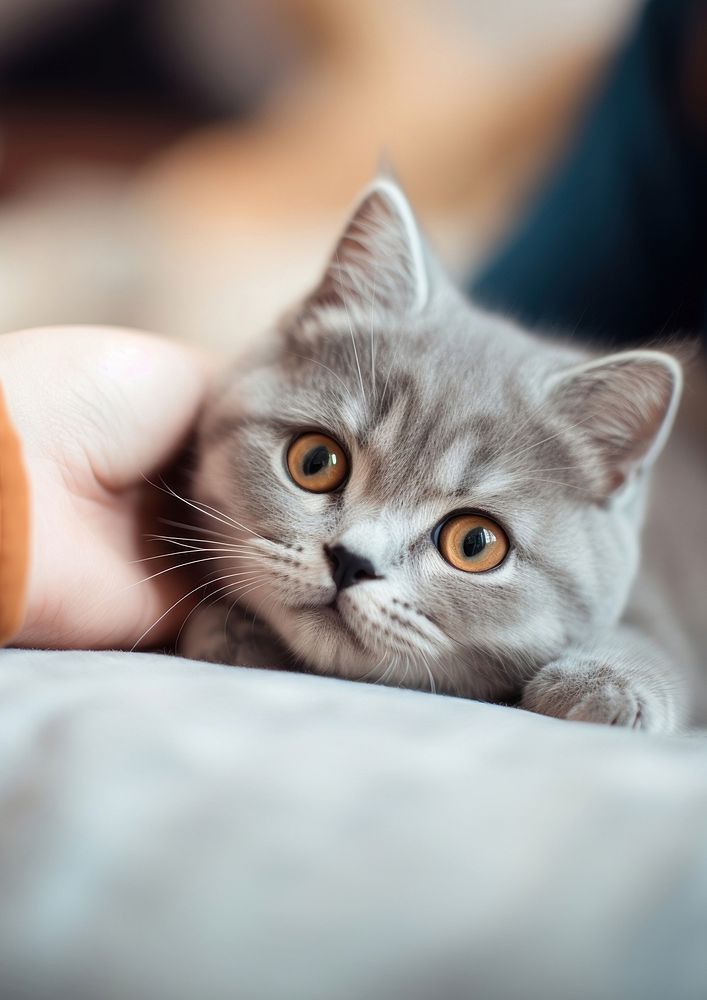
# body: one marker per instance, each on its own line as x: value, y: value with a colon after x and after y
x: 623, y: 406
x: 379, y: 261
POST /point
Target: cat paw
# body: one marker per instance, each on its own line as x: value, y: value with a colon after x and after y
x: 587, y: 695
x: 611, y: 706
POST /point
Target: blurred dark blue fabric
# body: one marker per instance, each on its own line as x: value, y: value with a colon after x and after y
x: 615, y: 246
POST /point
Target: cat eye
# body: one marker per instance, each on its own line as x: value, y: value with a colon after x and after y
x: 317, y: 463
x: 472, y: 543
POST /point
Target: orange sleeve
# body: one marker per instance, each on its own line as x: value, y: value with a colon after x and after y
x: 14, y: 528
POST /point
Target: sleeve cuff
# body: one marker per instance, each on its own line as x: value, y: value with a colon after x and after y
x: 14, y: 529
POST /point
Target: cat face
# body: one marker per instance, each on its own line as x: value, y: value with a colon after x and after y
x: 421, y: 493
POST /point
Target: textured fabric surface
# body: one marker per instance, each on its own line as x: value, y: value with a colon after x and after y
x: 174, y: 829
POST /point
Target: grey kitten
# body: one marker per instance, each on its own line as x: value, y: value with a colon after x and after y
x: 402, y: 488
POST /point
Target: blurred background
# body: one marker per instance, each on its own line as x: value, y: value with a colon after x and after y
x: 184, y: 165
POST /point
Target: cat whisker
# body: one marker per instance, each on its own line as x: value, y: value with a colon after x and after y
x: 557, y: 468
x: 191, y: 540
x: 406, y: 664
x: 170, y: 569
x: 373, y: 669
x: 534, y: 412
x: 447, y: 675
x: 351, y: 332
x: 240, y: 572
x: 164, y: 614
x: 552, y: 482
x: 545, y: 404
x: 245, y: 590
x: 391, y: 668
x: 371, y: 348
x: 425, y: 663
x: 195, y: 527
x: 257, y: 610
x: 238, y: 598
x: 550, y: 437
x: 327, y: 368
x: 169, y: 491
x: 205, y: 545
x: 204, y: 508
x: 175, y: 555
x: 242, y: 585
x: 390, y: 370
x: 210, y: 596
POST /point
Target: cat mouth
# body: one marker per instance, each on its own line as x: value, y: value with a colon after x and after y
x: 331, y: 614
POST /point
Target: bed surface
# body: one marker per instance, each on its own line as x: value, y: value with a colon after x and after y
x: 179, y: 830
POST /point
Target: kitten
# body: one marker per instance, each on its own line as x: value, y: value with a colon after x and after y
x: 401, y: 488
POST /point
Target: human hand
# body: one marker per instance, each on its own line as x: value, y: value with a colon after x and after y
x: 97, y: 409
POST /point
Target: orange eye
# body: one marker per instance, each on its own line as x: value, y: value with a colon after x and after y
x: 317, y: 463
x: 472, y: 543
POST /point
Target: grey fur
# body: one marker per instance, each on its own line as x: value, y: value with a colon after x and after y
x: 441, y: 407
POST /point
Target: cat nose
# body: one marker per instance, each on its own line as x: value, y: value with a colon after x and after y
x: 348, y: 568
